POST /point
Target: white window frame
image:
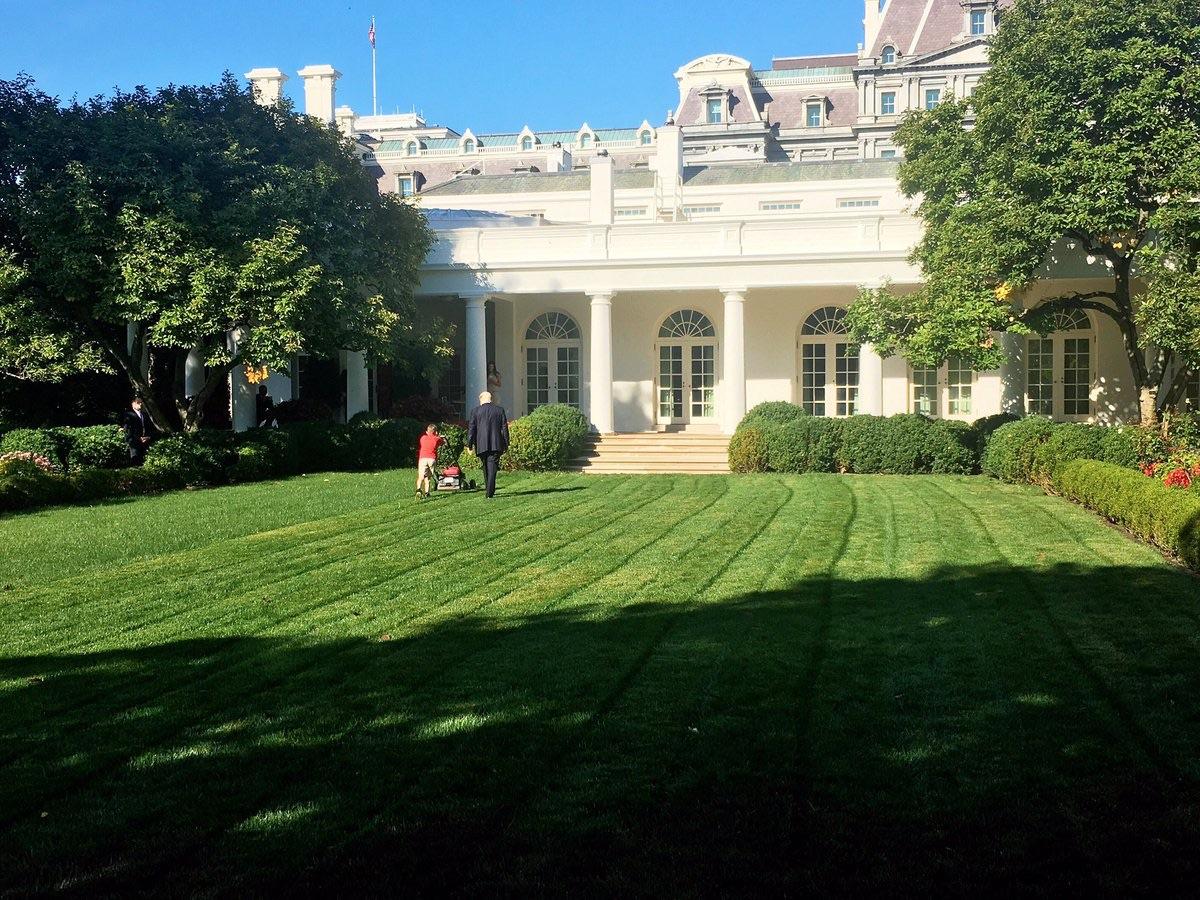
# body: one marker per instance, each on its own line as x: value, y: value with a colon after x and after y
x: 925, y: 94
x: 820, y: 108
x: 883, y: 55
x: 982, y: 21
x: 883, y: 96
x: 629, y: 212
x: 1058, y: 348
x: 888, y: 153
x: 586, y: 140
x: 705, y: 209
x: 1191, y: 392
x: 720, y: 110
x: 469, y: 145
x: 858, y: 203
x: 527, y: 145
x: 645, y: 138
x: 412, y: 148
x: 412, y: 185
x: 952, y: 399
x: 779, y: 205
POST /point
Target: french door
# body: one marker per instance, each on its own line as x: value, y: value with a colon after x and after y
x: 1058, y: 376
x: 828, y: 377
x: 687, y: 383
x: 551, y: 374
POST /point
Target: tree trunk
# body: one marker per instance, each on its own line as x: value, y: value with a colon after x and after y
x: 1148, y: 404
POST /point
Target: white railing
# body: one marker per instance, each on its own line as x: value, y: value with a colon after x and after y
x: 505, y: 150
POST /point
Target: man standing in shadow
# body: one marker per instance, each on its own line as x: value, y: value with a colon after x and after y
x: 487, y: 435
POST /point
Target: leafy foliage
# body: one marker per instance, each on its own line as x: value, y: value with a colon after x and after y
x: 1086, y: 143
x: 547, y: 438
x: 193, y: 213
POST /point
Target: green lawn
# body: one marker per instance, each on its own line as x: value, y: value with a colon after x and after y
x: 640, y: 684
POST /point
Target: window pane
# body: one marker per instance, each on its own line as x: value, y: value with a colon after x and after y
x: 812, y: 379
x: 670, y: 381
x: 567, y: 383
x: 887, y: 103
x: 959, y: 380
x: 814, y: 115
x: 1077, y: 376
x: 925, y: 391
x: 714, y: 110
x: 537, y: 377
x: 704, y: 381
x: 846, y: 378
x: 1039, y: 377
x: 978, y: 21
x: 932, y: 97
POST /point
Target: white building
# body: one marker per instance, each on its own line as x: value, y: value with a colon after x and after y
x: 674, y: 275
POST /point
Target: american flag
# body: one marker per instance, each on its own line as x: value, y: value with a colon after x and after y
x: 371, y: 33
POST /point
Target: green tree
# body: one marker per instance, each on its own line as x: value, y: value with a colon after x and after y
x: 188, y: 214
x: 1083, y: 140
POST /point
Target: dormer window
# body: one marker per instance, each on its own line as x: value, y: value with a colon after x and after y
x: 978, y: 22
x: 527, y: 143
x: 410, y: 149
x: 888, y: 56
x: 404, y: 185
x: 714, y: 111
x: 585, y: 141
x: 468, y: 146
x: 814, y: 114
x: 645, y: 137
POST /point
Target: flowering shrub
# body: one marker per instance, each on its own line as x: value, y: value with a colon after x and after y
x: 1179, y: 472
x: 35, y: 459
x: 1178, y: 478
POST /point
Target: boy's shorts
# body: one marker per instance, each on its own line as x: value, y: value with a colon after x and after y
x: 427, y: 462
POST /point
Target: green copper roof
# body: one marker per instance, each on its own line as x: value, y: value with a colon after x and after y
x: 536, y: 182
x: 811, y: 72
x: 768, y: 173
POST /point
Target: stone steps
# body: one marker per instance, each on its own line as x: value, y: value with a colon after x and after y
x: 654, y: 453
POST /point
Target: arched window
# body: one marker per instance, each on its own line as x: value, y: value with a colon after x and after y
x: 826, y: 320
x: 585, y: 141
x: 1058, y: 367
x: 410, y: 149
x: 552, y: 373
x: 552, y: 326
x: 527, y: 143
x: 888, y: 56
x: 828, y: 364
x: 687, y: 323
x: 645, y: 137
x: 468, y: 146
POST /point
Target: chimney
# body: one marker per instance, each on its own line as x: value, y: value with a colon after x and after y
x: 668, y: 160
x: 601, y: 185
x: 345, y: 118
x: 267, y: 85
x: 558, y: 159
x: 871, y: 22
x: 319, y: 85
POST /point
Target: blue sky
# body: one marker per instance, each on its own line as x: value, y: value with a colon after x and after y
x: 484, y: 64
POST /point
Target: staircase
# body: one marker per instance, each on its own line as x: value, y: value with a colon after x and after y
x: 654, y: 452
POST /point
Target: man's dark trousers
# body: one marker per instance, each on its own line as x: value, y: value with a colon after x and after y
x: 491, y: 463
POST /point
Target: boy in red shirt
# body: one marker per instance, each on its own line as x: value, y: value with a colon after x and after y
x: 427, y: 448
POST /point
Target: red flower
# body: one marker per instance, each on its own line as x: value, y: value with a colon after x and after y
x: 1179, y: 478
x: 1150, y: 469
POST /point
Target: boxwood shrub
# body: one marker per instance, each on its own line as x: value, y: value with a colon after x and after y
x: 547, y: 438
x: 47, y: 442
x: 748, y: 449
x: 95, y: 447
x: 1011, y: 453
x: 197, y: 459
x: 774, y: 411
x: 1167, y: 517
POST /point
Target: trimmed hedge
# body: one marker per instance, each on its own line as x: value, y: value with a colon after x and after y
x: 547, y: 438
x: 1167, y: 517
x: 780, y: 437
x: 45, y: 442
x: 1030, y: 450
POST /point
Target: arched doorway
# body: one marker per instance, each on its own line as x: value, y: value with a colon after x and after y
x: 687, y: 369
x: 828, y: 364
x: 1059, y: 367
x: 552, y: 373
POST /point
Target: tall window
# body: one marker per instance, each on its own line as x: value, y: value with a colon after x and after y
x: 1058, y: 368
x: 552, y: 371
x: 887, y: 103
x: 527, y: 143
x: 404, y: 185
x: 889, y: 55
x: 812, y: 114
x: 714, y: 110
x: 933, y: 96
x: 828, y: 364
x: 945, y: 391
x: 925, y: 392
x: 978, y: 21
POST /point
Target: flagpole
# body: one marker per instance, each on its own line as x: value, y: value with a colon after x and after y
x: 374, y: 91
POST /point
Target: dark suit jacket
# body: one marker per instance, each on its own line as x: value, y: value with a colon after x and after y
x: 136, y: 429
x: 487, y: 431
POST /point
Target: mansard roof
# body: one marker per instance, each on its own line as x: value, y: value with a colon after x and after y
x: 697, y: 176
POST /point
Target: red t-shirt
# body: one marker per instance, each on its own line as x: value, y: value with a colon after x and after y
x: 427, y: 446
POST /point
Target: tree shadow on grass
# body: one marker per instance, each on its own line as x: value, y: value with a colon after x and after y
x: 978, y: 730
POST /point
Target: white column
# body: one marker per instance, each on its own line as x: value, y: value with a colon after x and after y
x: 476, y: 362
x: 733, y: 371
x: 1012, y: 374
x: 357, y: 385
x: 600, y: 361
x: 193, y: 373
x: 241, y: 392
x: 600, y: 187
x: 870, y: 382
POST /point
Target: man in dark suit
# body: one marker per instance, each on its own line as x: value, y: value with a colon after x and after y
x: 139, y: 431
x: 487, y: 435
